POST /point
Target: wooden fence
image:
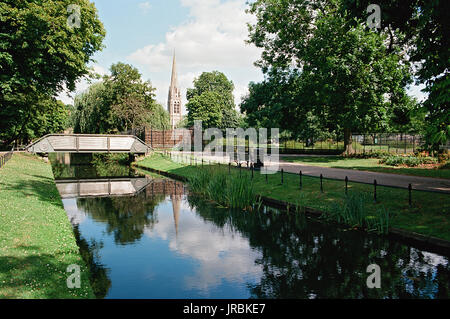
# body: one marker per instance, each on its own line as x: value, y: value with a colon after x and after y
x: 5, y: 157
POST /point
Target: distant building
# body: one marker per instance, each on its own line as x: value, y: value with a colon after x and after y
x: 174, y: 102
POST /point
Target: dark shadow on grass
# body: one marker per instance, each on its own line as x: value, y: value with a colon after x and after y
x: 43, y: 273
x: 41, y: 187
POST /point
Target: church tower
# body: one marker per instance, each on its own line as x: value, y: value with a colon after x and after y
x: 174, y: 103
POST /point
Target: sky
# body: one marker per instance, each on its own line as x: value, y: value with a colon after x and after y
x: 206, y: 35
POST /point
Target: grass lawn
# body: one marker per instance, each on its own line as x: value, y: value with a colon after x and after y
x: 363, y: 164
x: 36, y: 238
x: 429, y: 214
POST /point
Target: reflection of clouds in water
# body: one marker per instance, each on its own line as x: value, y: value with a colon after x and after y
x: 228, y: 256
x: 422, y: 264
x: 75, y: 215
x: 427, y: 263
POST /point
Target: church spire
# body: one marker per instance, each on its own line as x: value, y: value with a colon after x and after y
x: 174, y: 80
x: 174, y: 103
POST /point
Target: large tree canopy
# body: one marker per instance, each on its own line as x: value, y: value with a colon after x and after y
x: 331, y: 68
x: 212, y: 101
x: 40, y: 54
x: 421, y: 28
x: 417, y: 28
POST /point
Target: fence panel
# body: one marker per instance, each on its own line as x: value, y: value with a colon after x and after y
x: 5, y: 158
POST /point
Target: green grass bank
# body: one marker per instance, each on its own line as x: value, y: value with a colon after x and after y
x: 366, y: 164
x: 428, y: 215
x: 37, y: 242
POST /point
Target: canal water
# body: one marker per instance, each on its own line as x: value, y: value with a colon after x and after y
x: 145, y: 236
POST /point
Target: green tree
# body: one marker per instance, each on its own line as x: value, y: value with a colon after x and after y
x: 40, y: 55
x: 122, y: 101
x: 159, y: 119
x: 51, y: 117
x: 207, y: 108
x: 420, y: 28
x: 214, y: 81
x: 212, y: 101
x: 92, y: 114
x: 131, y: 99
x: 348, y: 79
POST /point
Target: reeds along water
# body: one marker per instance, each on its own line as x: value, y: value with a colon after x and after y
x: 354, y: 211
x: 227, y: 190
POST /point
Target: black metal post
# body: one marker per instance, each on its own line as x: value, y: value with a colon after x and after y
x: 321, y: 183
x: 252, y: 170
x: 282, y: 176
x: 375, y: 190
x: 410, y: 195
x: 300, y: 177
x: 229, y: 168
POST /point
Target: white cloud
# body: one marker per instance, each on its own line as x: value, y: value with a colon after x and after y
x: 212, y: 38
x: 227, y: 257
x: 145, y: 6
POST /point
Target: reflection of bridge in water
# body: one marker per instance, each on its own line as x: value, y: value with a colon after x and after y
x: 146, y: 187
x: 121, y: 186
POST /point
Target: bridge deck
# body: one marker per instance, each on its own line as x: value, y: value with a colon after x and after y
x: 89, y: 143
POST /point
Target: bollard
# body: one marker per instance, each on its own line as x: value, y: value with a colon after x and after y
x: 282, y: 176
x: 267, y: 177
x: 375, y: 190
x: 252, y: 170
x: 410, y: 195
x: 321, y: 183
x: 300, y: 177
x: 229, y: 168
x: 346, y: 185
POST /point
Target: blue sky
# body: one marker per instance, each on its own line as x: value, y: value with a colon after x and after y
x: 206, y: 34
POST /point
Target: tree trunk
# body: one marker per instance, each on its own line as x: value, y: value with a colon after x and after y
x: 348, y: 149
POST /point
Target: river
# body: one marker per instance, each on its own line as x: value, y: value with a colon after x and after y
x: 145, y: 236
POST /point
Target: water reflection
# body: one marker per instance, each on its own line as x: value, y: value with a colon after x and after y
x: 164, y: 243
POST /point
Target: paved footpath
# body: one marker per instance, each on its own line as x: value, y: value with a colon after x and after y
x: 387, y: 179
x: 397, y: 180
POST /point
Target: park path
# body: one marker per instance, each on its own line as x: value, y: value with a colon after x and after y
x: 386, y: 179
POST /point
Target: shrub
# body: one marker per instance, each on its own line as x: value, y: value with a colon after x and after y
x: 410, y: 161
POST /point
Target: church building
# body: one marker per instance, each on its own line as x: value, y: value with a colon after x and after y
x: 174, y: 102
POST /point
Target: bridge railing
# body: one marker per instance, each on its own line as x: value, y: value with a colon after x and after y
x: 89, y: 143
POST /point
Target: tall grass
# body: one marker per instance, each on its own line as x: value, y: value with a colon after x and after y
x: 227, y: 190
x: 353, y: 212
